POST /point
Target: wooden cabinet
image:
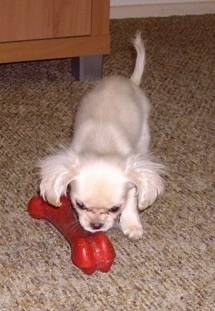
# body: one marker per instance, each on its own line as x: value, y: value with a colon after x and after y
x: 50, y: 29
x: 44, y: 19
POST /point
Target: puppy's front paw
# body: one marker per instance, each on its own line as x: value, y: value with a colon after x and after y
x: 133, y: 230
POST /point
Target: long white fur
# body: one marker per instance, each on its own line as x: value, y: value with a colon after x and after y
x: 108, y: 165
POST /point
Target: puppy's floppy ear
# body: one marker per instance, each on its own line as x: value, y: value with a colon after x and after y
x: 56, y: 172
x: 146, y: 175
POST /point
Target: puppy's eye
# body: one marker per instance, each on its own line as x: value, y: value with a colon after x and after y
x: 114, y: 209
x: 80, y: 205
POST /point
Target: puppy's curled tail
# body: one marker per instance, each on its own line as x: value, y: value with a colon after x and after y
x: 140, y: 60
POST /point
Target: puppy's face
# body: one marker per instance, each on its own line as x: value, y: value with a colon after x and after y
x: 98, y: 194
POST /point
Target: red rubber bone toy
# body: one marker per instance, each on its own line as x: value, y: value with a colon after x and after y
x: 89, y: 251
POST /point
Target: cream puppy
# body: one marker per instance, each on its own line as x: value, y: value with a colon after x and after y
x: 106, y: 169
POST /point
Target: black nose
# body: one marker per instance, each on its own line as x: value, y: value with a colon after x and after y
x: 96, y: 226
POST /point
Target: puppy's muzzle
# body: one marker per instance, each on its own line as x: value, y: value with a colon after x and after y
x: 96, y: 226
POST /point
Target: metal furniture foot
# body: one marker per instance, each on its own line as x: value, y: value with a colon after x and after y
x: 87, y: 68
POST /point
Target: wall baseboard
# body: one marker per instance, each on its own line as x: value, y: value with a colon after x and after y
x: 162, y: 9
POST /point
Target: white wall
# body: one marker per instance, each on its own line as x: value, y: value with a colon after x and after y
x: 145, y: 8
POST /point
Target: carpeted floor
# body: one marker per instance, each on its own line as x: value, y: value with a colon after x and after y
x: 172, y: 267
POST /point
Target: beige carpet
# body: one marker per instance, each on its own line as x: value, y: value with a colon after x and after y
x: 172, y: 267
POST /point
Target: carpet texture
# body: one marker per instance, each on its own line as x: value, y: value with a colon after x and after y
x: 172, y: 266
